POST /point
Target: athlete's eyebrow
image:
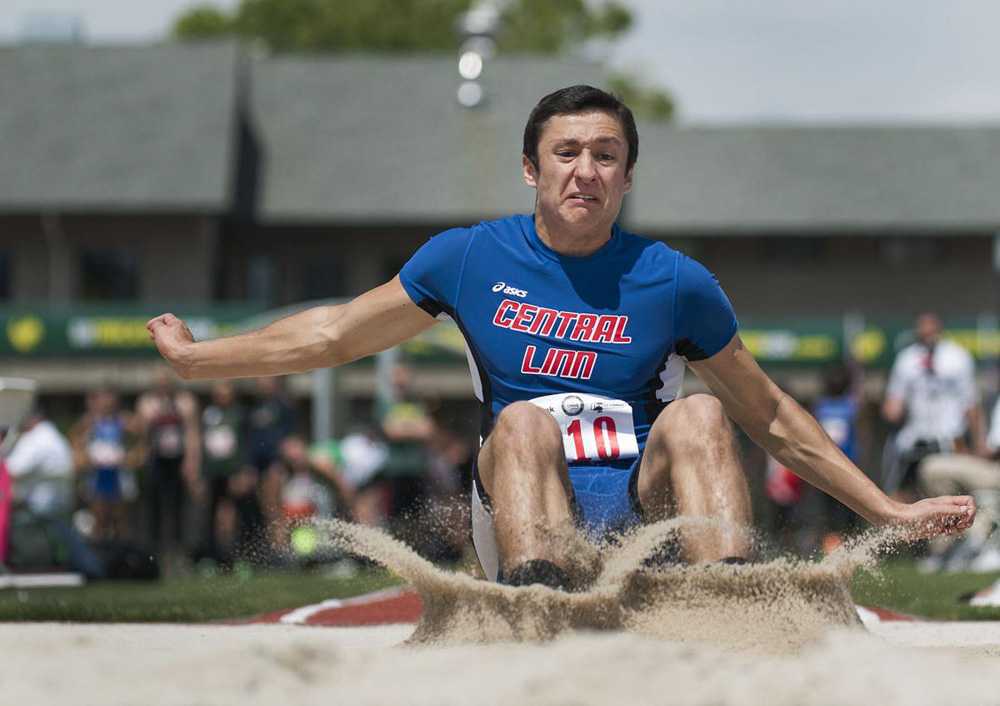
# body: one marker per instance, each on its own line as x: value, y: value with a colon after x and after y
x: 573, y: 142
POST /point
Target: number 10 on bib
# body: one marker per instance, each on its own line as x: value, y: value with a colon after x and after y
x: 593, y: 428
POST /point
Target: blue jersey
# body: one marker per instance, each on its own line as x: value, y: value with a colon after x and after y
x: 838, y: 417
x: 106, y: 446
x: 598, y: 340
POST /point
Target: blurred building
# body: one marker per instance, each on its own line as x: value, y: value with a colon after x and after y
x: 222, y: 184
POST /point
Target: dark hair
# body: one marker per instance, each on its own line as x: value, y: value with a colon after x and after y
x: 836, y: 380
x: 579, y: 99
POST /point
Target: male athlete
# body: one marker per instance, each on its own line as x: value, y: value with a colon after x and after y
x: 578, y: 333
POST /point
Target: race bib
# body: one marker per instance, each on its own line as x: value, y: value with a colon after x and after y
x: 838, y: 429
x: 168, y: 441
x: 593, y: 428
x: 105, y: 454
x: 220, y: 442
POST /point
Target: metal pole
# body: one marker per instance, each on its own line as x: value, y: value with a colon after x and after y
x: 16, y: 397
x: 986, y: 327
x: 385, y: 392
x: 322, y: 404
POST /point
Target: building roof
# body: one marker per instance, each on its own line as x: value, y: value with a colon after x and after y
x: 754, y: 179
x: 123, y: 128
x: 365, y: 139
x: 381, y: 140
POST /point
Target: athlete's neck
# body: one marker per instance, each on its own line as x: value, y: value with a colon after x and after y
x: 571, y: 241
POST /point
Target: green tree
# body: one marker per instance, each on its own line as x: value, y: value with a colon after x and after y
x: 645, y: 101
x: 552, y: 26
x: 203, y: 22
x: 526, y: 26
x: 336, y: 25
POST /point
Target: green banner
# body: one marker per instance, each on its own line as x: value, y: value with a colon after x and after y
x: 47, y: 334
x: 874, y: 344
x: 121, y: 332
x: 803, y: 344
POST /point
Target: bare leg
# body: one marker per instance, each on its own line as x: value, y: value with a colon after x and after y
x: 103, y: 528
x: 961, y: 474
x: 523, y: 470
x: 690, y: 468
x: 272, y: 482
x: 224, y: 525
x: 370, y: 506
x: 119, y: 520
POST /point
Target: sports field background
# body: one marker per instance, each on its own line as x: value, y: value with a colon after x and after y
x: 231, y: 179
x: 898, y: 586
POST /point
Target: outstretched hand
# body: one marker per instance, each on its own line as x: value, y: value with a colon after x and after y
x: 171, y: 336
x: 948, y: 514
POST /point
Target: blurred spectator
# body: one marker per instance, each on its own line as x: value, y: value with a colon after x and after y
x: 932, y: 394
x: 407, y: 428
x: 233, y: 515
x: 784, y: 490
x: 450, y: 462
x: 99, y: 442
x: 451, y: 456
x: 169, y: 418
x: 271, y: 419
x: 326, y: 458
x: 308, y: 491
x: 960, y: 474
x: 837, y: 412
x: 5, y: 507
x: 363, y: 453
x: 41, y: 467
x: 6, y: 501
x: 837, y: 409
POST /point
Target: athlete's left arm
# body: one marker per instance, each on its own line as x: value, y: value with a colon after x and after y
x: 791, y: 435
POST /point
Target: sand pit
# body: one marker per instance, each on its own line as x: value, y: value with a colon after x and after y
x: 779, y: 632
x: 900, y: 663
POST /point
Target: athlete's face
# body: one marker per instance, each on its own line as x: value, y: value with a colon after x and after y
x: 581, y: 176
x: 928, y: 329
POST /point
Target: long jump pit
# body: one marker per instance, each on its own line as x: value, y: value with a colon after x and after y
x: 768, y: 633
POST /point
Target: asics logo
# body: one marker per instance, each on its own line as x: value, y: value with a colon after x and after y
x: 512, y: 291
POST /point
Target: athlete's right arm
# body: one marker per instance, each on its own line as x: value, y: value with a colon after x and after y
x: 322, y: 336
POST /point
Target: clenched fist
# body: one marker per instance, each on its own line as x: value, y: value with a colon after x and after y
x: 173, y: 340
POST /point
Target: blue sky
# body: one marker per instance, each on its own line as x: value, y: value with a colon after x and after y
x: 738, y: 61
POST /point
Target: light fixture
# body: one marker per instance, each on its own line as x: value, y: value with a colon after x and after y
x: 470, y: 94
x: 470, y: 65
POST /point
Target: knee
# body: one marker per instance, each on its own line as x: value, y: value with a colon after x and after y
x: 529, y: 429
x: 695, y: 421
x: 704, y: 411
x: 525, y: 443
x: 524, y: 421
x: 933, y: 465
x: 703, y: 414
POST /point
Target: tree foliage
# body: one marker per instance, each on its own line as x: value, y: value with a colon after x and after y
x: 203, y: 22
x: 388, y: 26
x: 554, y: 26
x: 539, y: 26
x: 336, y: 25
x: 645, y: 101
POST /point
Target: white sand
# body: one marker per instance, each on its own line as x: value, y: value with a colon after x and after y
x: 900, y: 663
x: 766, y: 634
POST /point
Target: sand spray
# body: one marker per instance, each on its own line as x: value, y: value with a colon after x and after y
x: 775, y: 605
